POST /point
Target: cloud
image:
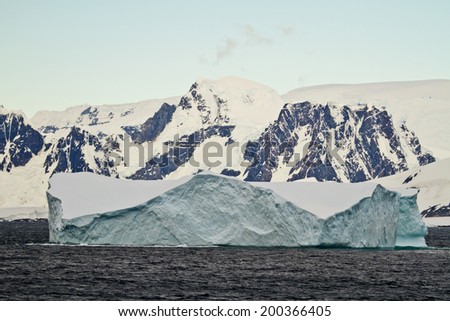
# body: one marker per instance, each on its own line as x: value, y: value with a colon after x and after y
x: 254, y: 38
x: 249, y: 36
x: 203, y: 60
x: 225, y: 50
x: 287, y: 30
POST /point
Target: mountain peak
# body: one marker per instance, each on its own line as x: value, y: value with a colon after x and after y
x: 231, y: 83
x: 231, y: 100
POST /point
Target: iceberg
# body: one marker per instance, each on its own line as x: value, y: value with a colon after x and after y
x: 211, y: 210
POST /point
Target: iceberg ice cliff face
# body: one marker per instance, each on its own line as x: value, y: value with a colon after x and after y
x: 411, y: 229
x: 372, y: 222
x: 217, y: 210
x: 55, y: 213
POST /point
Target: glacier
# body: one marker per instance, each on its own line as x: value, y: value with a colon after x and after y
x: 212, y: 210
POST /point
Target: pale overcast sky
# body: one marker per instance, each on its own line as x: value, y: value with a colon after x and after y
x: 55, y: 54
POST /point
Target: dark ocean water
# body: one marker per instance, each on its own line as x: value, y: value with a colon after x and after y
x: 49, y: 272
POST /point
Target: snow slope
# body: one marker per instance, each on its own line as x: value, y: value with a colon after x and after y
x: 19, y: 213
x: 226, y: 110
x: 24, y: 186
x: 432, y: 181
x: 215, y: 210
x: 22, y: 179
x: 248, y: 105
x: 106, y: 119
x: 424, y: 105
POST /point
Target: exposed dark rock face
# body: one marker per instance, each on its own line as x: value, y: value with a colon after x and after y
x: 179, y: 153
x: 339, y: 144
x: 437, y: 211
x: 153, y: 126
x: 79, y: 151
x: 19, y: 142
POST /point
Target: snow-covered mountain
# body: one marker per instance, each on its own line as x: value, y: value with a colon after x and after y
x: 369, y: 131
x: 79, y: 151
x: 279, y: 141
x: 424, y: 106
x: 99, y: 120
x: 345, y: 145
x: 212, y: 112
x: 19, y: 141
x: 243, y: 104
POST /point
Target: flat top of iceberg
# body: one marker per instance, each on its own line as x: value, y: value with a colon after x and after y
x: 320, y: 198
x: 325, y: 198
x: 87, y: 193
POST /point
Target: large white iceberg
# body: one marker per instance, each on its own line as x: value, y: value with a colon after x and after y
x: 206, y: 209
